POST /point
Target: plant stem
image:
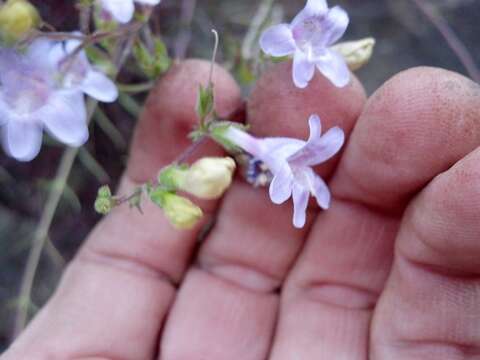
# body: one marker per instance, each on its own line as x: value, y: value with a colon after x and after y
x: 453, y: 41
x: 40, y: 237
x: 41, y: 233
x: 136, y: 88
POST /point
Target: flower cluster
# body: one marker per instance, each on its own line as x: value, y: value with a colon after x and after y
x: 43, y: 89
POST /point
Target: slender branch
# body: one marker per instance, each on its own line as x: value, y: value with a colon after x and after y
x: 41, y: 233
x: 136, y: 88
x: 184, y: 37
x: 85, y: 15
x: 40, y: 238
x: 453, y: 41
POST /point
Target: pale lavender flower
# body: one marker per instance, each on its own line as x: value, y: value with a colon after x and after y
x: 290, y: 161
x: 30, y: 101
x: 308, y: 37
x: 76, y: 73
x: 123, y: 10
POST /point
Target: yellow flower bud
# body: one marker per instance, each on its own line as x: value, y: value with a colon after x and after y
x: 208, y: 178
x: 17, y: 17
x: 181, y: 212
x: 356, y: 53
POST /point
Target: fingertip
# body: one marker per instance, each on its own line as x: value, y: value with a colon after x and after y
x: 169, y: 114
x: 418, y: 124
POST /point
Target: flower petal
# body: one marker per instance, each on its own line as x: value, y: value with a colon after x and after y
x: 121, y: 10
x: 321, y: 193
x: 38, y: 49
x: 148, y: 2
x: 281, y: 185
x: 22, y: 140
x: 278, y: 41
x: 303, y: 70
x: 99, y: 86
x: 244, y: 141
x: 333, y: 66
x: 65, y: 118
x: 334, y: 25
x: 318, y: 188
x: 319, y: 149
x: 315, y: 126
x: 300, y: 203
x: 313, y: 8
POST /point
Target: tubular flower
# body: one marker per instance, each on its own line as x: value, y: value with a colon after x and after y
x: 123, y: 10
x: 290, y: 161
x: 30, y: 101
x: 308, y: 38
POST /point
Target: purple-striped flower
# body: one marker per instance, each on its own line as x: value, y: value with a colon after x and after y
x: 290, y: 161
x: 308, y: 38
x: 123, y: 10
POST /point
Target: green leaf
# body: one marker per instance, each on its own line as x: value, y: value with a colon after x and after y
x: 205, y: 102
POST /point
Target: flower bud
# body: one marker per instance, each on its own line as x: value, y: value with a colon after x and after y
x: 104, y: 192
x: 17, y: 17
x: 103, y: 205
x: 208, y: 178
x: 356, y: 53
x: 181, y: 212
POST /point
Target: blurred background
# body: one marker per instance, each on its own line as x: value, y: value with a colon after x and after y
x: 405, y: 38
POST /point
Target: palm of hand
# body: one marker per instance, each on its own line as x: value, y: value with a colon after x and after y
x: 389, y: 272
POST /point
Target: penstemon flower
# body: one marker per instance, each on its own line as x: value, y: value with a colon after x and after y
x: 30, y: 101
x: 123, y: 10
x: 77, y: 74
x: 290, y: 161
x: 308, y: 37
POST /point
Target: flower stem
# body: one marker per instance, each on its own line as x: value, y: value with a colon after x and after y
x: 41, y: 232
x: 452, y: 39
x: 136, y: 88
x: 40, y: 237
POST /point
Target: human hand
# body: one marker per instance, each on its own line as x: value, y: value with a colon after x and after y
x: 391, y: 271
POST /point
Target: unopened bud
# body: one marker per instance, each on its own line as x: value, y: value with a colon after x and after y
x: 181, y: 212
x: 104, y: 202
x: 17, y: 17
x: 104, y: 192
x: 356, y: 53
x: 208, y: 178
x: 103, y: 205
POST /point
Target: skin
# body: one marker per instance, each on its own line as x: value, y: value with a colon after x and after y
x: 391, y: 271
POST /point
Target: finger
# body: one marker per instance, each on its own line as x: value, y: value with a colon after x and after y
x: 411, y: 129
x: 227, y: 305
x: 116, y: 292
x: 431, y: 306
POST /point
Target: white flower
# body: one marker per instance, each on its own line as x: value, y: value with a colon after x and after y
x: 123, y: 10
x: 290, y: 161
x: 308, y: 37
x: 30, y: 101
x: 76, y: 73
